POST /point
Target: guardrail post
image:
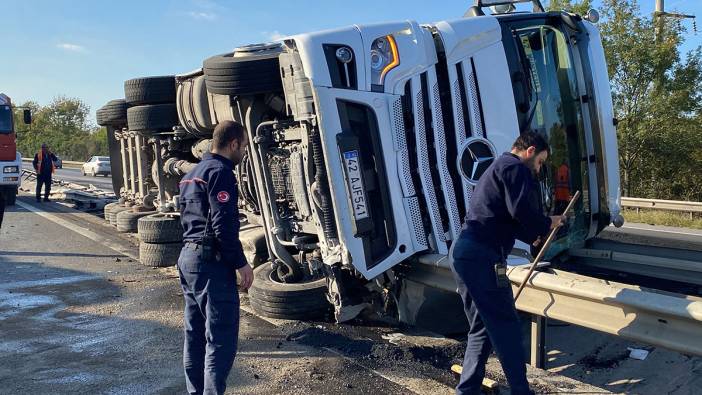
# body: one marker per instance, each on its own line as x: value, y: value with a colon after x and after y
x: 537, y: 357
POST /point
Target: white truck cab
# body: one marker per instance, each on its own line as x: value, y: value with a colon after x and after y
x: 366, y: 143
x: 397, y: 121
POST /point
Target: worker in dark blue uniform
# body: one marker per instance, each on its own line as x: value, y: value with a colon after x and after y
x: 500, y: 210
x: 44, y: 166
x: 208, y: 263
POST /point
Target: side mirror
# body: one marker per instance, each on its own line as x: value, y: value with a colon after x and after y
x: 27, y: 116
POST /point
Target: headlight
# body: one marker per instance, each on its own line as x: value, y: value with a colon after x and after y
x: 383, y: 58
x: 11, y: 169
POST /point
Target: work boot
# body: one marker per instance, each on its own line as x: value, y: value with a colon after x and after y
x: 38, y: 200
x: 46, y: 199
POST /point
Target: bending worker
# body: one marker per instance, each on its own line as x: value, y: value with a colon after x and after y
x: 500, y: 211
x: 209, y: 260
x: 44, y: 166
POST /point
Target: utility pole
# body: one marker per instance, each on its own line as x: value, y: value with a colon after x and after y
x: 659, y: 14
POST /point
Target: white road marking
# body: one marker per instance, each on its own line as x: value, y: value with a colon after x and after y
x: 80, y: 230
x: 662, y: 231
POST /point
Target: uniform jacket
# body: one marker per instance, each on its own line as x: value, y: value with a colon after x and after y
x: 502, y: 209
x: 211, y: 187
x: 45, y: 160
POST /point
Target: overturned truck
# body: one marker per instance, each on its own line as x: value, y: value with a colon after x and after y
x: 366, y: 143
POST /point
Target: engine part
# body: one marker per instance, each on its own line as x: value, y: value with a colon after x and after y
x: 200, y: 148
x: 297, y: 87
x: 193, y: 106
x: 299, y: 183
x: 178, y: 167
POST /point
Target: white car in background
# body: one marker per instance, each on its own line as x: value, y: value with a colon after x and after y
x: 97, y: 165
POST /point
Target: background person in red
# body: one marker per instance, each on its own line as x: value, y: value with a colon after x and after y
x: 562, y: 187
x: 44, y: 166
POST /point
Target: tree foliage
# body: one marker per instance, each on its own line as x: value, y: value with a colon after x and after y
x: 657, y: 96
x: 65, y: 126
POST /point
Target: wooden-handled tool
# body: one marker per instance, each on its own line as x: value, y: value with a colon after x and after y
x: 545, y: 247
x: 488, y: 384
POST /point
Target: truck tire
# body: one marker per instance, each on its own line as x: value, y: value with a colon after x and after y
x: 159, y: 255
x: 107, y: 208
x: 150, y: 90
x: 247, y: 75
x: 152, y: 117
x: 112, y: 113
x: 160, y: 228
x: 113, y: 214
x: 127, y: 221
x: 294, y: 301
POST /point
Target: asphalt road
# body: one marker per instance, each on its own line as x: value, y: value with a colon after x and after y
x: 78, y: 314
x: 75, y: 175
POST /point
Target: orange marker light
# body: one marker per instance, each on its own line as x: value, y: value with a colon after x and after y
x: 395, y: 57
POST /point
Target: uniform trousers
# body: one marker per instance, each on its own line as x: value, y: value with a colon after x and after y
x: 492, y: 316
x: 211, y: 321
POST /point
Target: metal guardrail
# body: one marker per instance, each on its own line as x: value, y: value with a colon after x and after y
x: 666, y: 320
x: 656, y: 204
x: 64, y: 162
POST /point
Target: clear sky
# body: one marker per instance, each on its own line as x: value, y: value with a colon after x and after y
x: 87, y: 48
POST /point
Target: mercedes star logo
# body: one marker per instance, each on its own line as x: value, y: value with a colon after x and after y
x: 476, y: 156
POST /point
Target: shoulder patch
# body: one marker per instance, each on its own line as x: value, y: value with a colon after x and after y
x: 223, y: 196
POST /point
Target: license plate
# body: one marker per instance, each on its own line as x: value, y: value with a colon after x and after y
x: 355, y: 184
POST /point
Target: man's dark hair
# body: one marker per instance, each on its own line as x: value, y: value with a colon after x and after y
x: 528, y: 139
x: 225, y: 132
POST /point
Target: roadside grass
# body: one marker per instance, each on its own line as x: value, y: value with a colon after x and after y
x: 661, y: 217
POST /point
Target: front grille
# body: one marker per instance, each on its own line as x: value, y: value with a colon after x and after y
x: 401, y: 146
x: 479, y: 124
x: 446, y: 151
x: 426, y: 164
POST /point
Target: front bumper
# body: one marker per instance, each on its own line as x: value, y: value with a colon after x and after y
x: 12, y: 178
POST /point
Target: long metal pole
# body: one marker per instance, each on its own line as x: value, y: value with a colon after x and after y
x: 132, y: 172
x: 123, y: 150
x: 659, y: 21
x: 545, y: 247
x: 161, y: 179
x: 140, y: 166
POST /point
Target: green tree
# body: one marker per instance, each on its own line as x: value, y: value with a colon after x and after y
x: 657, y: 100
x: 65, y: 126
x: 577, y: 7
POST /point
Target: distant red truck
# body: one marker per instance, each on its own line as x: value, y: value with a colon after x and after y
x: 10, y: 159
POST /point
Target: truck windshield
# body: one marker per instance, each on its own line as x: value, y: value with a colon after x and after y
x: 548, y: 102
x: 5, y: 119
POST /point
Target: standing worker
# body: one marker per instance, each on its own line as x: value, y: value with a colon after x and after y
x: 500, y: 210
x: 209, y: 260
x: 44, y: 166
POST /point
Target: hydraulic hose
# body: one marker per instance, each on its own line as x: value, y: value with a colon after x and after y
x: 320, y: 178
